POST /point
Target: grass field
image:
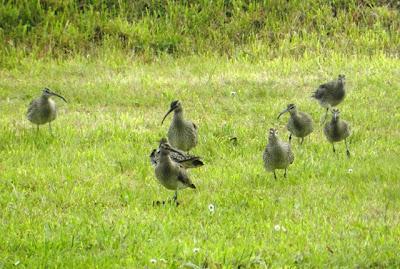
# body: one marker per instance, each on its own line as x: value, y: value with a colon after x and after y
x: 83, y: 198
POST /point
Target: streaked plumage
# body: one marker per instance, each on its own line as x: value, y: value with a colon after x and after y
x: 277, y: 154
x: 331, y: 94
x: 184, y: 159
x: 43, y: 109
x: 182, y: 134
x: 337, y: 130
x: 170, y: 174
x: 300, y: 124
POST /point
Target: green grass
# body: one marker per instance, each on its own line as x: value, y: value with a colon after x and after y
x: 83, y: 198
x: 147, y: 28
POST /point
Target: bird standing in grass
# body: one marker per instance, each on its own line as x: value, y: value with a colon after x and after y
x: 331, y: 94
x: 277, y: 154
x: 300, y: 124
x: 182, y: 134
x: 43, y: 109
x: 177, y: 156
x: 171, y: 174
x: 337, y: 130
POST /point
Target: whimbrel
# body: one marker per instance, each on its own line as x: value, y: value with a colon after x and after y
x: 43, y: 109
x: 277, y: 154
x: 177, y: 156
x: 337, y: 130
x: 182, y: 134
x: 170, y: 174
x: 300, y: 124
x: 331, y: 94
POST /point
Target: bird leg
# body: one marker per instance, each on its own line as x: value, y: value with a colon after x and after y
x: 333, y: 147
x: 37, y: 128
x: 285, y: 174
x: 175, y: 198
x: 302, y: 140
x: 347, y: 148
x: 290, y: 138
x: 326, y: 115
x: 50, y: 128
x: 274, y: 174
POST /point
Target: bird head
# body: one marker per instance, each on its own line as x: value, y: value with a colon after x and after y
x: 175, y: 106
x: 273, y: 134
x: 47, y: 93
x: 163, y: 141
x: 165, y: 148
x: 291, y: 108
x: 342, y: 78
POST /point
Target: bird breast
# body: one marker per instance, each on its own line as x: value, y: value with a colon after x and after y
x: 277, y: 156
x: 42, y: 111
x: 182, y: 136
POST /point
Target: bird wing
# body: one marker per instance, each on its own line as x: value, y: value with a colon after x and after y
x: 192, y: 162
x: 290, y: 154
x: 183, y: 177
x: 323, y: 89
x: 185, y: 160
x: 291, y: 157
x: 154, y: 157
x: 178, y: 155
x: 32, y: 106
x: 306, y: 119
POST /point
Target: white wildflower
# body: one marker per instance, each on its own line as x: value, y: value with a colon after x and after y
x: 211, y: 208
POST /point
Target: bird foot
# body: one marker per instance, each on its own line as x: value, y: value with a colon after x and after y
x: 158, y: 203
x: 173, y: 201
x: 163, y: 203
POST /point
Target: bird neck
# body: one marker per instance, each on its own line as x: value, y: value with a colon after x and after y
x: 335, y: 121
x: 164, y: 157
x: 273, y: 140
x: 293, y: 112
x: 341, y: 85
x: 45, y: 99
x: 178, y: 116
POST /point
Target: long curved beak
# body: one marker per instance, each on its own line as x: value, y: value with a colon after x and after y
x: 283, y: 112
x: 169, y: 111
x: 55, y: 94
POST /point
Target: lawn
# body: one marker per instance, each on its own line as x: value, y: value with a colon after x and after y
x: 82, y: 198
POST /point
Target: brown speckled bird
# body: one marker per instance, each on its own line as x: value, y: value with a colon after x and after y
x: 182, y: 134
x: 170, y: 174
x: 277, y: 154
x: 43, y: 109
x: 331, y: 94
x: 337, y: 130
x: 300, y: 124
